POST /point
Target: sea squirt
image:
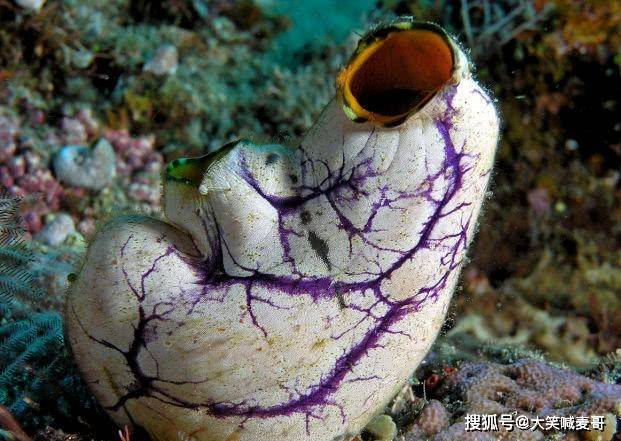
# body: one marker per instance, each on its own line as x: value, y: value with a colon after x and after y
x: 292, y: 291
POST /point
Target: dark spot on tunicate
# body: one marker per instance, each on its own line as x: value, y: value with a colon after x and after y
x: 293, y: 178
x: 320, y: 246
x: 305, y: 217
x: 271, y: 159
x: 71, y: 277
x: 133, y: 387
x: 341, y: 300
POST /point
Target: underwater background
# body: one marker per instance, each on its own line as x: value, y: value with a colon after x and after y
x: 95, y: 97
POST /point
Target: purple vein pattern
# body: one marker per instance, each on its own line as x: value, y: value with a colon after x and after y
x: 325, y: 283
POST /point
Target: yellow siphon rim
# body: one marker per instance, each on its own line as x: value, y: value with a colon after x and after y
x: 368, y: 46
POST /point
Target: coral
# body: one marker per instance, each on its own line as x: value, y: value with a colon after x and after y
x: 87, y: 182
x: 519, y: 323
x: 523, y: 387
x: 139, y: 164
x: 102, y: 62
x: 433, y: 419
x: 317, y: 277
x: 532, y: 310
x: 488, y: 26
x: 585, y: 27
x: 31, y: 5
x: 529, y: 387
x: 164, y: 62
x: 24, y: 173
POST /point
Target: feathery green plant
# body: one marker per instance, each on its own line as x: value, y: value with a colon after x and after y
x: 16, y: 281
x: 39, y: 384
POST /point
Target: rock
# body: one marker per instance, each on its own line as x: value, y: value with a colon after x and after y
x: 382, y: 428
x: 434, y: 418
x: 84, y: 167
x: 164, y: 61
x: 32, y: 5
x: 82, y: 58
x: 57, y: 231
x: 74, y: 131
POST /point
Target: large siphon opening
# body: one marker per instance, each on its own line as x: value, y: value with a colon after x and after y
x: 403, y: 71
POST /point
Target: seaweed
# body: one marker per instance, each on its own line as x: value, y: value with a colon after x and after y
x: 32, y: 355
x: 16, y: 280
x: 39, y: 384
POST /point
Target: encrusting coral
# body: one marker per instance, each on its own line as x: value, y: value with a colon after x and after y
x: 295, y: 290
x: 527, y: 387
x: 545, y: 268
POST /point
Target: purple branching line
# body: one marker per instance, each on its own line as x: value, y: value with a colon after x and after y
x: 341, y: 188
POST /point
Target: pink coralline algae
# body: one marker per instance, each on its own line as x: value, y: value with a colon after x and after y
x: 539, y: 200
x: 134, y: 154
x: 83, y: 164
x: 80, y: 128
x: 9, y: 128
x: 292, y: 291
x: 139, y: 164
x: 25, y: 173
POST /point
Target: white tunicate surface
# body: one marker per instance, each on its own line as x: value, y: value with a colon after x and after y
x: 298, y: 288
